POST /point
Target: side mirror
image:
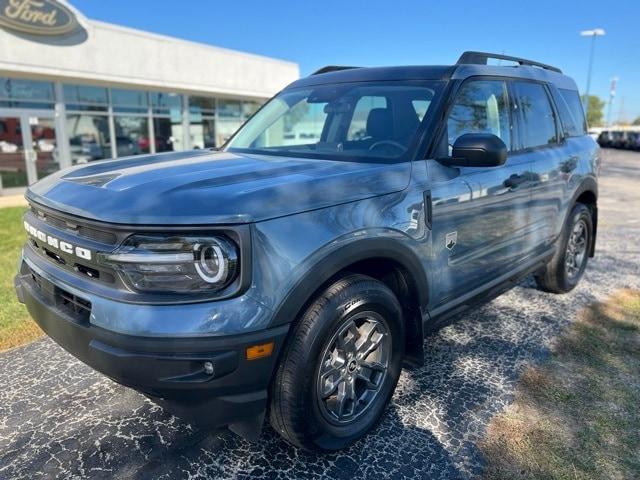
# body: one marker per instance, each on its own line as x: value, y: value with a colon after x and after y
x: 477, y: 150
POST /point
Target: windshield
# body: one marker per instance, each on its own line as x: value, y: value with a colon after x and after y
x: 339, y: 121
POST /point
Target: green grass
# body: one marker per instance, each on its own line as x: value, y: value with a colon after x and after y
x: 578, y: 415
x: 16, y: 327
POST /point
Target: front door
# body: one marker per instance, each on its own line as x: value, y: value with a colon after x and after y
x: 480, y: 215
x: 28, y: 148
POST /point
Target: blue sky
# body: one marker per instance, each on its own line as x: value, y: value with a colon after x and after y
x: 374, y: 32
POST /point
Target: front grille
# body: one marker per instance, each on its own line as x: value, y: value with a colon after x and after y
x: 101, y: 274
x: 77, y: 232
x: 77, y: 228
x: 77, y: 308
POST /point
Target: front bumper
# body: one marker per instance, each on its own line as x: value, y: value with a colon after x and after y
x: 168, y: 369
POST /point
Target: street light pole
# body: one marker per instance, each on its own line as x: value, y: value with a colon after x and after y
x: 596, y: 32
x: 612, y: 93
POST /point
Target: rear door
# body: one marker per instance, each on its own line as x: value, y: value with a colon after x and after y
x: 480, y: 215
x: 553, y: 160
x: 577, y: 148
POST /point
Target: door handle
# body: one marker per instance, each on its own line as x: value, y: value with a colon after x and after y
x: 513, y: 182
x: 569, y: 165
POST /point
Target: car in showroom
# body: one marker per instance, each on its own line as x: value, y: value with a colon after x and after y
x: 295, y: 271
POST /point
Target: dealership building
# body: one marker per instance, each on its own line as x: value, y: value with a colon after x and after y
x: 75, y: 90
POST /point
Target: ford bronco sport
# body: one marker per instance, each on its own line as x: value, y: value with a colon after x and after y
x: 296, y: 270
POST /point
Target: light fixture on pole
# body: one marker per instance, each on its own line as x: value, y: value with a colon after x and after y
x: 596, y: 32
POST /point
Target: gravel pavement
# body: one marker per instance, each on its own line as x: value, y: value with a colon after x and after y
x: 60, y: 419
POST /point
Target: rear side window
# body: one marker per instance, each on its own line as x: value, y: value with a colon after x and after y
x: 481, y: 106
x: 571, y: 113
x: 538, y: 127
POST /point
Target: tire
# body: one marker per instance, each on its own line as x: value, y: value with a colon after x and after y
x: 561, y: 275
x: 317, y: 358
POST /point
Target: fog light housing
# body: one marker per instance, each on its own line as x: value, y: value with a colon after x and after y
x: 208, y: 368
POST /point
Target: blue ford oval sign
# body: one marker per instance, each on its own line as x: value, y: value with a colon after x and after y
x: 37, y: 17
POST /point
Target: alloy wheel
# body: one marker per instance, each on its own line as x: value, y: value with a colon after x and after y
x: 353, y: 367
x: 576, y: 249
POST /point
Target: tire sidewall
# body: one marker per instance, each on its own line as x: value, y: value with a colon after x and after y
x: 579, y: 212
x: 350, y: 302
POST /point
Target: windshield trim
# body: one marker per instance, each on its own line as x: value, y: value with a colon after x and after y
x: 438, y: 86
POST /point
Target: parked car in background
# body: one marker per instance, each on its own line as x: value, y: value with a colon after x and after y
x: 625, y: 137
x: 604, y: 139
x: 633, y: 140
x: 296, y: 275
x: 84, y: 148
x: 618, y: 138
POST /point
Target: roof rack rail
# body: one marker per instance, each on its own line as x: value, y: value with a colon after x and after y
x: 332, y: 68
x: 480, y: 58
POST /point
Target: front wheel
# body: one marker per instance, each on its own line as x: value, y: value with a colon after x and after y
x: 565, y: 269
x: 340, y: 367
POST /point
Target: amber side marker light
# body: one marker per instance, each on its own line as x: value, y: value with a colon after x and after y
x: 259, y: 351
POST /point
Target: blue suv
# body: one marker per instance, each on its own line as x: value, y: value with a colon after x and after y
x: 296, y: 271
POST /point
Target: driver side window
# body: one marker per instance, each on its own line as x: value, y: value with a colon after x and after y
x: 481, y: 106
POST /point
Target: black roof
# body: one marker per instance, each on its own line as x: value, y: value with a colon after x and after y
x: 362, y: 74
x: 469, y: 64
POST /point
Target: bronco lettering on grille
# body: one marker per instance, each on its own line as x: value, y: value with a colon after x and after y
x: 56, y: 243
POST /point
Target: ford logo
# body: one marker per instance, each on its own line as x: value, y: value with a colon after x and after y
x: 37, y: 17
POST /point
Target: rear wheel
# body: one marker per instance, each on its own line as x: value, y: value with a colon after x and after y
x: 565, y: 269
x: 340, y: 367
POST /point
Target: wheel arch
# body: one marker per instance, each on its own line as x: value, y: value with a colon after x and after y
x: 384, y: 259
x: 587, y: 194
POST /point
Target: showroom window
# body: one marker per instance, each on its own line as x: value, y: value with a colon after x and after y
x: 132, y: 135
x: 85, y: 98
x: 229, y: 119
x: 19, y: 93
x: 202, y: 122
x: 131, y: 121
x: 129, y: 101
x: 87, y: 122
x: 248, y: 109
x: 167, y: 121
x: 89, y: 137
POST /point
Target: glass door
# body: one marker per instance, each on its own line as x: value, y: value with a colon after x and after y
x: 43, y: 152
x: 13, y: 166
x: 28, y: 149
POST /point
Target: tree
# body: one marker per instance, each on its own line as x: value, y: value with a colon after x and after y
x: 594, y: 113
x: 637, y: 121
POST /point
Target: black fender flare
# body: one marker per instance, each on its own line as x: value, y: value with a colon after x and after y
x: 338, y: 259
x: 588, y: 184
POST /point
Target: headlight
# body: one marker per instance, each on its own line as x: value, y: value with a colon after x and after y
x: 153, y: 263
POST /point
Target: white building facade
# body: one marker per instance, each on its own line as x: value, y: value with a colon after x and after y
x: 74, y: 90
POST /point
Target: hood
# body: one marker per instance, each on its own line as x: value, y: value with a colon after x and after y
x: 196, y: 188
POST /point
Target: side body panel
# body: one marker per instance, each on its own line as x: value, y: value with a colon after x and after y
x: 486, y: 210
x: 294, y: 255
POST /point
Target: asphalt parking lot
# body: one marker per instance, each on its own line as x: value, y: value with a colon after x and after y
x: 58, y: 418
